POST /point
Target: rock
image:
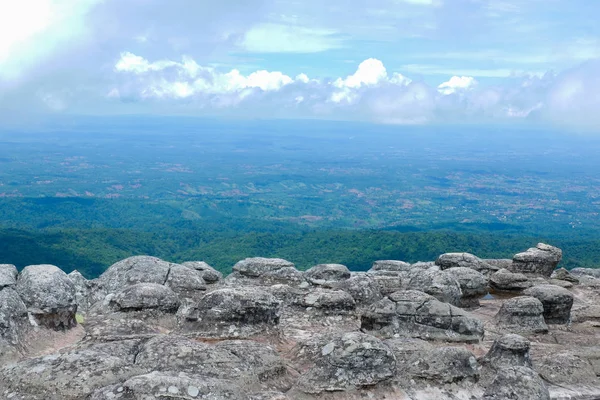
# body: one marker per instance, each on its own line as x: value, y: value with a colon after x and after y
x: 209, y: 274
x: 49, y: 295
x: 324, y: 274
x: 146, y: 296
x: 389, y: 282
x: 390, y: 265
x: 522, y: 314
x: 565, y: 369
x: 517, y: 383
x: 423, y: 265
x: 71, y: 375
x: 416, y: 314
x: 255, y: 267
x: 499, y: 263
x: 465, y: 260
x: 8, y: 275
x: 539, y: 260
x: 329, y: 301
x: 508, y: 351
x: 362, y: 287
x: 507, y: 281
x: 557, y: 302
x: 445, y: 365
x: 564, y: 275
x: 473, y: 285
x: 185, y: 281
x: 439, y: 284
x: 134, y: 270
x: 346, y: 361
x: 84, y: 290
x: 239, y: 312
x: 589, y: 272
x: 172, y: 385
x: 13, y: 323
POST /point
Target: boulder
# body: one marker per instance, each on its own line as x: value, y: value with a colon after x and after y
x: 185, y: 281
x: 85, y: 291
x: 146, y: 296
x: 325, y: 274
x: 586, y: 272
x: 8, y: 275
x: 389, y: 282
x: 13, y: 323
x: 508, y: 351
x: 416, y: 314
x: 499, y: 263
x: 209, y: 274
x: 465, y: 260
x: 347, y: 361
x: 255, y: 267
x: 445, y: 365
x: 238, y: 312
x: 557, y: 302
x: 171, y: 385
x: 565, y: 368
x: 134, y: 270
x: 517, y: 383
x: 473, y: 285
x: 49, y: 295
x: 564, y: 275
x: 506, y: 281
x: 439, y: 284
x: 522, y: 314
x: 329, y: 301
x: 362, y: 287
x: 390, y: 265
x: 539, y: 260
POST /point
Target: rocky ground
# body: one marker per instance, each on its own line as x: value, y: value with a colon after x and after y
x: 457, y: 328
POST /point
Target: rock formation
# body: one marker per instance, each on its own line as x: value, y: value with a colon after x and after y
x: 150, y: 329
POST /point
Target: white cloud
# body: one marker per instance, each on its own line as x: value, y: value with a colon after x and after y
x: 457, y: 84
x: 282, y: 38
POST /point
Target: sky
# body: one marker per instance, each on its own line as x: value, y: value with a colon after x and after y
x: 383, y: 61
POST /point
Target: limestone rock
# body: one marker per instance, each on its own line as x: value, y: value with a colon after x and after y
x: 557, y: 302
x: 13, y: 322
x: 507, y: 281
x: 362, y: 287
x: 416, y: 314
x: 564, y: 275
x: 465, y: 260
x: 439, y: 284
x: 499, y: 263
x: 49, y: 295
x: 209, y: 274
x: 517, y: 383
x: 329, y: 301
x: 473, y: 285
x: 445, y: 365
x: 539, y: 260
x: 185, y: 281
x: 389, y: 282
x: 145, y: 296
x: 324, y: 274
x: 236, y: 312
x: 134, y: 270
x: 522, y: 314
x: 255, y: 267
x: 349, y: 360
x: 8, y: 275
x: 510, y: 350
x: 390, y: 265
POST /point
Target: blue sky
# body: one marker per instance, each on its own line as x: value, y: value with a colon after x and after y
x: 386, y: 61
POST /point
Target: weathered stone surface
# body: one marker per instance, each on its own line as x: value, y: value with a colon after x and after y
x: 134, y: 270
x: 557, y: 302
x: 465, y: 260
x: 329, y: 301
x: 517, y: 383
x: 185, y: 281
x: 416, y: 314
x: 565, y: 369
x: 362, y: 287
x: 348, y: 360
x: 145, y: 296
x: 389, y: 281
x: 171, y: 385
x: 236, y: 313
x: 510, y: 350
x: 72, y: 375
x: 83, y: 289
x: 209, y: 274
x: 590, y: 272
x: 539, y: 260
x: 8, y: 275
x: 324, y: 274
x: 49, y: 295
x: 473, y: 285
x: 13, y: 323
x: 390, y: 265
x: 522, y: 314
x: 507, y: 281
x: 439, y: 284
x: 445, y: 365
x: 255, y: 267
x: 499, y: 263
x: 564, y: 275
